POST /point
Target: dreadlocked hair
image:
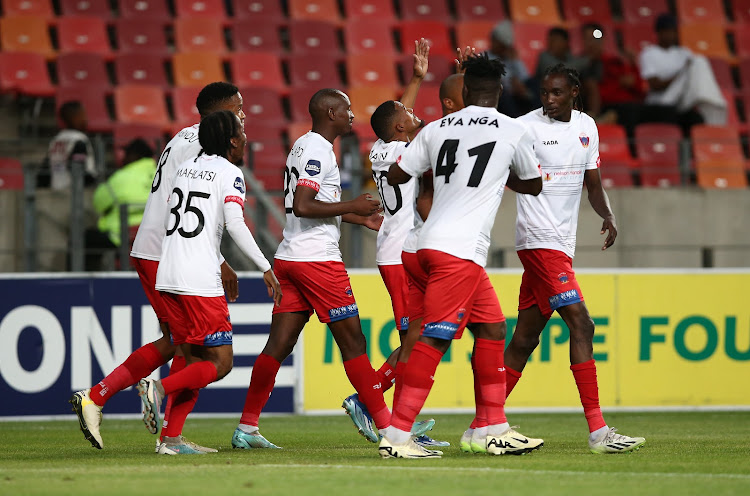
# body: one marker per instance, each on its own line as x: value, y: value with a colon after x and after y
x: 216, y: 131
x: 574, y: 80
x: 482, y: 67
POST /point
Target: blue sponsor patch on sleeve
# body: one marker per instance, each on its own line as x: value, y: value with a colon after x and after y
x: 313, y: 167
x: 239, y: 185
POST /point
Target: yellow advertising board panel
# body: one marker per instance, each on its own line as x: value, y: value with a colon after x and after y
x: 662, y: 339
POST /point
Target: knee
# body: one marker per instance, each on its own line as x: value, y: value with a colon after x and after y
x: 223, y: 368
x: 353, y: 345
x: 526, y: 343
x: 583, y: 330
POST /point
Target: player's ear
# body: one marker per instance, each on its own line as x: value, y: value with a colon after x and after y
x: 448, y: 103
x: 331, y: 113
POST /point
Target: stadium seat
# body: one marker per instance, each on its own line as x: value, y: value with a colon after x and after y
x: 643, y: 11
x: 263, y: 107
x: 706, y: 39
x: 267, y: 12
x: 609, y: 39
x: 480, y: 10
x: 613, y: 144
x: 537, y: 11
x: 298, y: 104
x: 25, y: 73
x: 721, y: 174
x: 635, y: 37
x: 83, y: 34
x: 268, y: 155
x: 368, y: 36
x: 253, y: 35
x: 616, y: 174
x: 183, y: 106
x: 197, y: 34
x: 723, y: 73
x: 11, y: 174
x: 741, y: 11
x: 733, y: 117
x: 140, y: 68
x: 314, y: 37
x: 85, y: 8
x: 658, y: 150
x: 141, y: 104
x: 365, y: 99
x: 371, y: 70
x: 201, y: 8
x: 435, y: 32
x: 82, y: 69
x: 742, y: 40
x: 313, y: 72
x: 196, y: 69
x: 427, y: 107
x: 583, y: 11
x: 438, y: 69
x: 151, y: 10
x: 315, y: 10
x: 530, y: 41
x: 40, y: 9
x: 137, y: 36
x: 25, y: 34
x: 699, y: 11
x: 425, y: 10
x: 374, y: 10
x: 474, y: 33
x: 122, y: 134
x: 715, y: 143
x: 257, y: 70
x: 93, y: 100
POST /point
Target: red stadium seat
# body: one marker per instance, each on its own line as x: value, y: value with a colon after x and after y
x: 25, y: 73
x: 141, y: 104
x: 314, y: 37
x: 371, y: 70
x: 658, y: 150
x: 213, y: 9
x: 480, y: 10
x: 268, y: 154
x: 425, y: 10
x: 136, y: 68
x: 252, y: 35
x: 263, y: 107
x: 83, y: 34
x: 368, y: 36
x: 374, y: 10
x: 584, y: 11
x: 196, y: 34
x: 698, y: 11
x: 257, y: 70
x: 138, y: 36
x: 25, y: 34
x: 85, y: 8
x: 315, y: 10
x: 427, y: 107
x: 742, y: 40
x: 151, y: 10
x: 11, y: 174
x: 723, y: 74
x: 474, y: 33
x: 635, y: 37
x: 530, y: 41
x: 435, y: 32
x: 438, y: 69
x: 93, y: 100
x: 122, y: 134
x: 266, y: 12
x: 183, y: 106
x: 705, y: 39
x: 535, y: 11
x: 313, y: 72
x: 721, y: 174
x: 197, y: 69
x: 81, y: 69
x: 613, y: 144
x: 741, y: 11
x: 298, y: 104
x: 643, y: 11
x: 40, y: 9
x: 744, y: 68
x: 616, y: 174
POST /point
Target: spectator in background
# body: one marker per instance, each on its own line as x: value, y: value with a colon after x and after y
x: 557, y: 52
x: 71, y: 143
x: 518, y: 96
x: 129, y: 185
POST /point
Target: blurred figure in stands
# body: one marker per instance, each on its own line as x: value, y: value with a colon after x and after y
x: 71, y: 143
x: 557, y: 52
x: 517, y: 97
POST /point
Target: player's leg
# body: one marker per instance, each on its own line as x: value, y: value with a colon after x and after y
x: 522, y: 344
x: 396, y: 282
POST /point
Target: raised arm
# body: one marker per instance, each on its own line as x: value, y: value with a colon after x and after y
x: 419, y: 70
x: 600, y: 201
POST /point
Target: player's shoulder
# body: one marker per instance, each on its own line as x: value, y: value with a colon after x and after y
x: 536, y: 115
x: 187, y: 136
x: 585, y: 120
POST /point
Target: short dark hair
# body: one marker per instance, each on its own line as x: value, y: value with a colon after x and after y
x: 665, y: 21
x: 382, y: 120
x: 216, y: 131
x: 140, y: 148
x: 322, y: 100
x: 558, y: 31
x: 481, y: 72
x: 212, y: 95
x: 68, y: 110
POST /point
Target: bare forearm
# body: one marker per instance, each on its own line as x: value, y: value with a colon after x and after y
x: 353, y: 219
x: 316, y: 209
x: 409, y: 97
x: 600, y: 202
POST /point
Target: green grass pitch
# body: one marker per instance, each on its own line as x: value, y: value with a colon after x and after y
x: 706, y: 453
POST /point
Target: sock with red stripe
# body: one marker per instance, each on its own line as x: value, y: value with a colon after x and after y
x: 511, y: 379
x: 365, y: 381
x: 585, y: 376
x: 195, y: 376
x: 386, y: 376
x: 261, y: 385
x: 490, y: 375
x: 417, y: 382
x: 182, y: 404
x: 178, y: 363
x: 138, y: 365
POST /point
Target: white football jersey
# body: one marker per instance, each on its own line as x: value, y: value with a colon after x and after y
x: 311, y: 164
x: 471, y: 153
x: 398, y: 203
x: 148, y: 239
x: 565, y: 150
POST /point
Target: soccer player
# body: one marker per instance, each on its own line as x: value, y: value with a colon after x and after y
x: 471, y: 153
x: 567, y: 144
x: 311, y: 272
x: 208, y: 193
x: 145, y: 255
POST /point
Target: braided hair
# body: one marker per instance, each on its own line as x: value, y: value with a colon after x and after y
x: 216, y: 131
x: 574, y: 80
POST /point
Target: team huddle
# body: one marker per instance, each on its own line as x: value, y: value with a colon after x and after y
x: 440, y: 186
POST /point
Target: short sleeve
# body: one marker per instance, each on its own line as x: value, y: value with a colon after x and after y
x: 233, y: 188
x: 415, y: 158
x: 525, y: 162
x: 647, y: 63
x: 592, y: 159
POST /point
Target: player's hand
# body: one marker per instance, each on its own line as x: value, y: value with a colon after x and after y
x: 373, y: 222
x: 229, y: 281
x: 365, y: 205
x: 421, y: 54
x: 467, y: 52
x: 609, y: 225
x: 274, y: 288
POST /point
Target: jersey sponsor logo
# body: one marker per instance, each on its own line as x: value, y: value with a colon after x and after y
x: 547, y: 176
x: 563, y: 299
x: 584, y: 140
x: 239, y: 185
x: 563, y: 277
x: 313, y: 167
x: 309, y: 184
x: 550, y: 142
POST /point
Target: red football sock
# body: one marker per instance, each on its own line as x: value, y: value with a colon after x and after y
x: 386, y: 376
x: 178, y: 363
x: 138, y: 365
x: 365, y: 380
x: 490, y: 375
x: 585, y: 376
x: 511, y: 379
x: 261, y: 385
x: 399, y: 381
x: 480, y: 418
x: 182, y: 404
x: 417, y: 382
x: 195, y: 376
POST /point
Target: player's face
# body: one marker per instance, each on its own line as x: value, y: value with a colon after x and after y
x: 234, y: 105
x: 237, y: 153
x: 343, y: 114
x: 407, y: 119
x: 557, y: 97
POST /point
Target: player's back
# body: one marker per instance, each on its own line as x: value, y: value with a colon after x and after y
x: 183, y: 146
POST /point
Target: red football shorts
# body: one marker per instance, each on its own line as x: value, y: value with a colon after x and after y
x: 201, y: 320
x: 147, y: 274
x: 397, y: 284
x: 417, y: 279
x: 320, y: 287
x: 548, y: 281
x: 458, y: 292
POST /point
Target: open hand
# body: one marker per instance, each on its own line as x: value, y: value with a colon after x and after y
x: 421, y: 54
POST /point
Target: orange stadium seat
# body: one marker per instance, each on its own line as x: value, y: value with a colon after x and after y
x: 371, y: 70
x: 706, y: 39
x: 200, y: 8
x: 635, y: 37
x: 715, y: 143
x: 196, y: 69
x: 584, y: 11
x: 183, y: 106
x: 122, y: 134
x: 252, y: 35
x: 721, y: 174
x: 375, y: 10
x: 480, y: 10
x: 613, y: 144
x: 643, y: 11
x: 365, y: 99
x: 25, y: 73
x: 538, y: 11
x: 438, y: 69
x: 427, y: 107
x: 93, y: 100
x: 141, y: 104
x: 530, y: 41
x: 140, y: 68
x: 85, y: 8
x: 368, y: 36
x: 25, y: 34
x: 435, y: 32
x: 151, y: 10
x: 263, y: 106
x: 196, y: 34
x: 723, y: 73
x: 83, y: 34
x: 314, y: 37
x: 741, y: 11
x: 616, y: 174
x: 658, y: 150
x: 474, y: 33
x: 256, y: 70
x: 11, y: 174
x: 315, y: 10
x: 259, y: 11
x: 138, y: 36
x: 609, y: 39
x: 733, y: 117
x: 425, y: 10
x: 82, y: 69
x: 698, y: 11
x: 313, y: 72
x: 41, y: 9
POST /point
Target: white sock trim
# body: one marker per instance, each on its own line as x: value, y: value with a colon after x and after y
x: 248, y: 429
